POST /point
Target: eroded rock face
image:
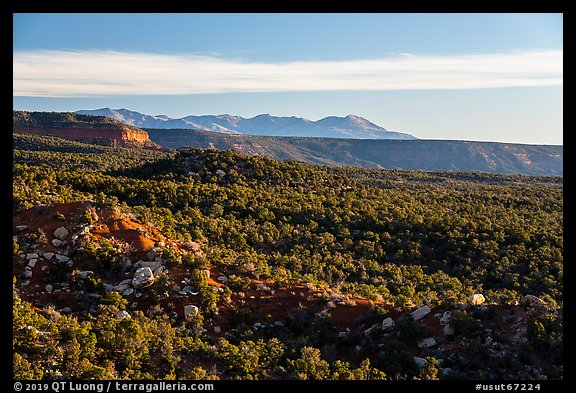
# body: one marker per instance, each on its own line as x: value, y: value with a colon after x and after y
x: 143, y: 278
x: 122, y: 136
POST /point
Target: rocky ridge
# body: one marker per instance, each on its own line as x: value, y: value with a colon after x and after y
x: 97, y: 130
x: 52, y: 270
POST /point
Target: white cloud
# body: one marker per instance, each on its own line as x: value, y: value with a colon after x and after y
x: 105, y: 73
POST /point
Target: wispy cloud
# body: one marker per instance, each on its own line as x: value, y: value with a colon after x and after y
x: 106, y: 73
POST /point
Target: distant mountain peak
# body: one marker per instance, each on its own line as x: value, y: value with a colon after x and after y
x: 351, y: 126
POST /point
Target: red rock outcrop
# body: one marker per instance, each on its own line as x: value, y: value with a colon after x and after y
x: 110, y: 136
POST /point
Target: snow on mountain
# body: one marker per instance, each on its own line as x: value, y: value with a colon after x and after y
x: 350, y: 126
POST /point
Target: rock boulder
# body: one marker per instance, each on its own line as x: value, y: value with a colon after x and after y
x: 476, y: 299
x: 61, y: 233
x: 420, y: 313
x: 123, y: 314
x: 445, y: 318
x: 420, y: 362
x: 190, y: 311
x: 428, y: 342
x: 143, y: 278
x: 533, y: 301
x: 387, y: 324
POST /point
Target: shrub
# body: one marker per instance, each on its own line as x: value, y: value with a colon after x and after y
x: 104, y: 254
x: 15, y: 247
x: 238, y: 284
x: 171, y: 257
x: 89, y: 216
x: 310, y: 365
x: 464, y: 324
x: 92, y: 283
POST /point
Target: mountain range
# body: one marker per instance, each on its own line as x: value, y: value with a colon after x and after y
x: 417, y: 154
x: 351, y: 126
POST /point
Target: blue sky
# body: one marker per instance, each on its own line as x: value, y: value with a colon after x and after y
x: 490, y: 77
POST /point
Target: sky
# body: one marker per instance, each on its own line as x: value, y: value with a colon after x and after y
x: 483, y: 77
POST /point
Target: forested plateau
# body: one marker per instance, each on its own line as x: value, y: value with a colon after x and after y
x: 209, y: 264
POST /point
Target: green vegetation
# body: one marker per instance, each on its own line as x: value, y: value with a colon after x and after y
x: 403, y: 238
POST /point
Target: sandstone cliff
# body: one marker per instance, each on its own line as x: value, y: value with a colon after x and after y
x: 81, y: 128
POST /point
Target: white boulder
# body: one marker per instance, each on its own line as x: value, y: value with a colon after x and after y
x: 143, y: 278
x: 123, y: 314
x: 428, y: 342
x: 190, y: 311
x: 445, y: 318
x: 420, y: 313
x: 476, y: 299
x: 84, y: 274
